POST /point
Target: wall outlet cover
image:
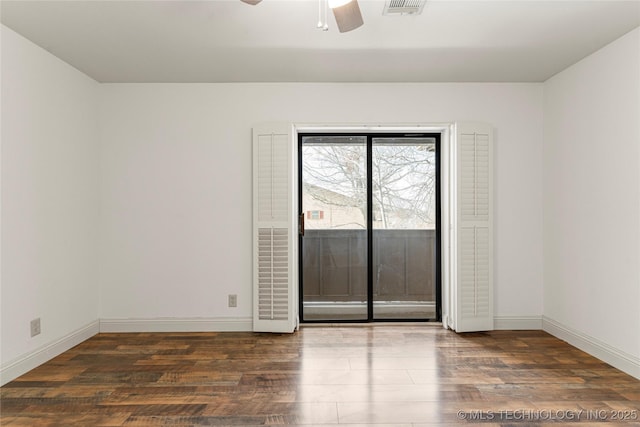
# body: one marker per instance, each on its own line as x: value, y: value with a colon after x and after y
x: 233, y: 300
x: 35, y: 327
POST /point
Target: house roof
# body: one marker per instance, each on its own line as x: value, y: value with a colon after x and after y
x: 330, y: 197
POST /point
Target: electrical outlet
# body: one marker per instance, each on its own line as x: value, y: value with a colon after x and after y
x: 35, y: 327
x: 233, y: 300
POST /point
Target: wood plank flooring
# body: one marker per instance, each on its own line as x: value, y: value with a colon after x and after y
x: 396, y: 375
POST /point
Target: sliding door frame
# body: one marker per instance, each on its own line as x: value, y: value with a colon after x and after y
x: 370, y: 133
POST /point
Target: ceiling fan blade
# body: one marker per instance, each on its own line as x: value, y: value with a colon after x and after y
x: 348, y: 16
x: 251, y: 2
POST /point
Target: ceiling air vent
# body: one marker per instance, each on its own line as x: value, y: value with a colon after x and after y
x: 403, y: 7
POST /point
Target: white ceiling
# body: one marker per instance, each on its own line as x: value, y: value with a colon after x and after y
x: 277, y: 40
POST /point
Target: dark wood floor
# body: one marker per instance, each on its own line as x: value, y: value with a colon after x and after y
x: 398, y: 375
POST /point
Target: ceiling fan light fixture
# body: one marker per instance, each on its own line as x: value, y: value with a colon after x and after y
x: 251, y: 2
x: 347, y: 14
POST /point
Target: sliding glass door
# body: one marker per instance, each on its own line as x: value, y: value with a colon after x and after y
x: 369, y: 249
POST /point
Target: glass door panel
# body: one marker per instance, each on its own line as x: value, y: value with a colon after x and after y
x: 334, y: 245
x: 404, y: 228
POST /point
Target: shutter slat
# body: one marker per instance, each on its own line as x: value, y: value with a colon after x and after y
x: 273, y: 276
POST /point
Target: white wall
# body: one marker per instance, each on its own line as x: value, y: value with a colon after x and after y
x: 592, y: 198
x: 176, y: 183
x: 49, y: 198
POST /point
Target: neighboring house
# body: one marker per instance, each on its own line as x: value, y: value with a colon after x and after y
x: 325, y: 209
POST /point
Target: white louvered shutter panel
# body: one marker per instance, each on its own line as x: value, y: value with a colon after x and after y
x: 474, y: 228
x: 274, y: 229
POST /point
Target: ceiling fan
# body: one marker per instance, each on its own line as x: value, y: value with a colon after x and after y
x: 347, y: 13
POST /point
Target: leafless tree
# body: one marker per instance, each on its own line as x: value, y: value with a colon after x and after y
x: 403, y: 180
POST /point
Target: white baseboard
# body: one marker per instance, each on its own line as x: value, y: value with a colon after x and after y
x: 616, y: 358
x: 189, y: 324
x: 517, y: 323
x: 37, y: 357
